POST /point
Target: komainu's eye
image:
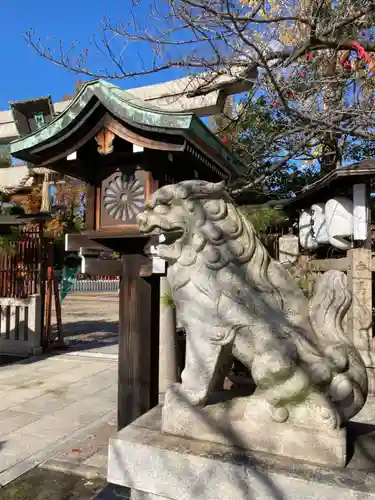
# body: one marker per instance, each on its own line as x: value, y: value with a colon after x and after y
x: 161, y: 209
x: 190, y: 206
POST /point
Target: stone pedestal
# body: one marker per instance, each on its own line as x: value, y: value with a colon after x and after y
x: 159, y: 466
x: 246, y: 423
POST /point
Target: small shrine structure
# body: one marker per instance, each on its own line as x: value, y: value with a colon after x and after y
x: 124, y: 149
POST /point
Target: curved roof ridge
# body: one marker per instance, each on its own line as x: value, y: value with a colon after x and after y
x: 127, y: 108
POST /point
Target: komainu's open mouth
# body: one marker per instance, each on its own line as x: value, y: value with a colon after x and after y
x: 172, y: 236
x: 167, y: 236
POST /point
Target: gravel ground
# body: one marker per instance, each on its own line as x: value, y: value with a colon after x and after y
x: 42, y: 484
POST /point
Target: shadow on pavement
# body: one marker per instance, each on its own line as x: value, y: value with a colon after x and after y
x: 90, y: 327
x: 40, y: 484
x: 112, y: 491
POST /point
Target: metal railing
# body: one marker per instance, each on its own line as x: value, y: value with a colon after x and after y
x: 96, y: 285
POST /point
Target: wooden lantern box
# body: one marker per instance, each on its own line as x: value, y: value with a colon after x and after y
x: 124, y: 149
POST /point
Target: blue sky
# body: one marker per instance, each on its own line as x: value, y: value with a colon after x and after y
x: 26, y: 75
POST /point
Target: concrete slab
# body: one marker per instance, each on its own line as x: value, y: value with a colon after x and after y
x: 59, y: 397
x: 11, y: 420
x: 41, y: 384
x: 165, y: 466
x: 89, y: 456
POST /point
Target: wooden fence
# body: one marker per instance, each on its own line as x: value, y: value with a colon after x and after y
x: 20, y: 325
x: 22, y: 278
x: 21, y: 270
x: 270, y: 240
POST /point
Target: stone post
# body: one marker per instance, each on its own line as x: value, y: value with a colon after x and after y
x: 288, y: 249
x: 168, y: 373
x: 360, y: 315
x: 35, y: 323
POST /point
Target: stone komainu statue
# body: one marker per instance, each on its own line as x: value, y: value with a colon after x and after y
x: 235, y: 301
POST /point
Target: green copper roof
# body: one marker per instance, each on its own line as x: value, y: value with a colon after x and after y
x: 128, y: 108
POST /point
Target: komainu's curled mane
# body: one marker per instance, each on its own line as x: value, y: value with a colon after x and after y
x: 234, y: 300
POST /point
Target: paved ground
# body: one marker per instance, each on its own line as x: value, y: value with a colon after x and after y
x: 57, y: 413
x: 60, y: 410
x: 52, y: 404
x: 90, y: 322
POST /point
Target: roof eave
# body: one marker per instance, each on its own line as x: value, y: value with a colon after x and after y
x: 129, y: 109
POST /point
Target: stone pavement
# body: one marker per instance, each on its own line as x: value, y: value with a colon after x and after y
x: 90, y: 323
x: 50, y: 405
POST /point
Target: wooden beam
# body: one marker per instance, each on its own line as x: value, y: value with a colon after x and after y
x: 129, y: 135
x: 101, y: 267
x: 111, y: 267
x: 322, y: 265
x: 342, y: 264
x: 99, y: 167
x: 74, y: 242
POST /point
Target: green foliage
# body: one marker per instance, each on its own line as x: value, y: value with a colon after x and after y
x: 304, y: 284
x: 13, y: 210
x: 263, y: 218
x: 262, y: 137
x: 5, y: 159
x: 78, y: 224
x: 8, y: 242
x: 166, y: 300
x: 304, y: 278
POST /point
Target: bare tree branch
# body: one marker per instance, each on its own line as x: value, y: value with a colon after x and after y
x: 299, y: 56
x: 276, y: 166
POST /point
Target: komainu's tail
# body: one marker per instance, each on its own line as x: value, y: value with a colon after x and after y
x: 327, y: 309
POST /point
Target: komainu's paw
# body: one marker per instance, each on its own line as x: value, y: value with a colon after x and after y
x: 270, y: 368
x: 315, y: 410
x: 186, y: 396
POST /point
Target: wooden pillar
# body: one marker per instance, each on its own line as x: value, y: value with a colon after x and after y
x: 138, y: 341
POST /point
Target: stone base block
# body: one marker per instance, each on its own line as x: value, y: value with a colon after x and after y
x: 142, y: 495
x: 368, y: 357
x: 371, y: 380
x: 247, y: 423
x: 159, y: 466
